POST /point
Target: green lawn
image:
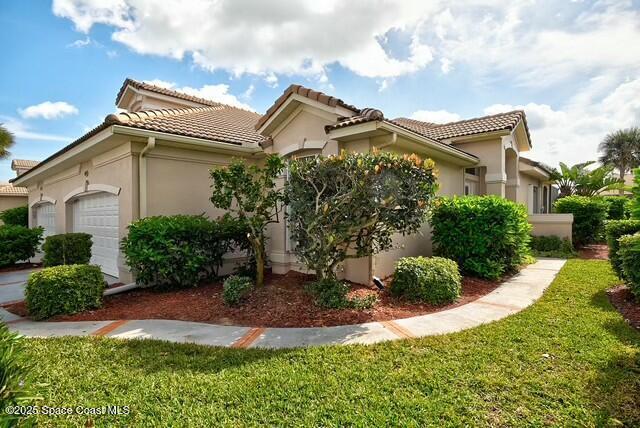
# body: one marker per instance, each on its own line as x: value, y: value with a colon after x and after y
x: 568, y: 360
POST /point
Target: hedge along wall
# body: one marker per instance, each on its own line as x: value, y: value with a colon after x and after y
x: 589, y: 214
x: 629, y: 254
x: 614, y: 230
x: 487, y: 235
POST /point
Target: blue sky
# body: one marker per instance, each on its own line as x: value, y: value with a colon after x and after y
x: 573, y: 66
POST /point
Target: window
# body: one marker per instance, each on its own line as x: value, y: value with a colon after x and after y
x: 466, y: 190
x: 471, y: 171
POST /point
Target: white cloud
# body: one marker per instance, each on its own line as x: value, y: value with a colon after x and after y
x: 219, y: 92
x: 249, y: 92
x: 80, y: 43
x: 48, y: 110
x: 435, y: 116
x: 445, y: 65
x: 21, y: 130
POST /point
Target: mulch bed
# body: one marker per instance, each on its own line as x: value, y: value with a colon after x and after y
x: 282, y: 302
x: 594, y: 252
x: 624, y: 301
x: 20, y: 266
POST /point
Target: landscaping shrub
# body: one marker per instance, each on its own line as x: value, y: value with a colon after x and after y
x: 18, y: 216
x: 18, y: 243
x: 67, y: 249
x: 629, y: 253
x: 434, y: 280
x: 235, y: 289
x: 589, y: 214
x: 487, y: 236
x: 331, y: 293
x: 180, y: 250
x: 17, y: 384
x: 552, y: 246
x: 617, y: 207
x: 614, y: 230
x: 66, y: 289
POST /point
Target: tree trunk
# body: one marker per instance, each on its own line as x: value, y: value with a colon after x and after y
x: 258, y: 251
x: 621, y: 191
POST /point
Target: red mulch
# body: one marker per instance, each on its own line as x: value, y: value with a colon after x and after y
x: 282, y: 302
x: 624, y: 301
x: 594, y: 252
x: 19, y: 267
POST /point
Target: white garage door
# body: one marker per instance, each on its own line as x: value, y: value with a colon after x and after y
x: 97, y: 215
x: 46, y: 218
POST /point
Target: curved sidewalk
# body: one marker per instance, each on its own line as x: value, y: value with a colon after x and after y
x: 510, y: 297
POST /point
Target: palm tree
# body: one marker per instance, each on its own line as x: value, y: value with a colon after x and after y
x: 568, y: 176
x: 622, y: 150
x: 6, y: 141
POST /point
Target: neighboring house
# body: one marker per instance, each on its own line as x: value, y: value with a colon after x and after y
x: 628, y: 182
x: 12, y: 196
x: 154, y: 159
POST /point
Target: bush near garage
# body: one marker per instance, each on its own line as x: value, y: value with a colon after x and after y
x: 331, y: 293
x: 629, y: 254
x: 18, y: 216
x: 66, y: 289
x: 434, y: 280
x: 618, y: 207
x: 67, y: 249
x: 18, y: 243
x: 235, y: 289
x: 589, y: 215
x: 614, y: 230
x: 181, y: 250
x: 487, y: 236
x: 551, y: 246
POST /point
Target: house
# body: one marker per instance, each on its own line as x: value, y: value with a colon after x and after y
x: 154, y: 159
x: 12, y: 196
x: 628, y: 182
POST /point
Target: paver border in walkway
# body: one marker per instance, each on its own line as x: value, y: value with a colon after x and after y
x: 510, y: 297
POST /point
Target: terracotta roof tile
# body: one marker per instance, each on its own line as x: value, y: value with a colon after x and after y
x: 163, y: 91
x: 479, y: 125
x: 10, y: 190
x: 366, y: 115
x: 321, y: 97
x: 23, y: 163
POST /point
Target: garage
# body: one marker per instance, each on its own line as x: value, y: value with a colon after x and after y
x: 97, y: 215
x: 45, y: 215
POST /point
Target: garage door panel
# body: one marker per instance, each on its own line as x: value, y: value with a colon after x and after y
x: 46, y: 218
x: 97, y: 215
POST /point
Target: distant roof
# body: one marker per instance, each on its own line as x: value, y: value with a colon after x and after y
x: 163, y: 91
x: 23, y: 163
x: 478, y: 125
x: 321, y: 97
x: 10, y: 190
x: 540, y: 165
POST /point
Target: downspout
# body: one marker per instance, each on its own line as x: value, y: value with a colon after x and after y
x: 142, y: 175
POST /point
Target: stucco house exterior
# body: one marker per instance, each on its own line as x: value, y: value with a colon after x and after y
x: 14, y: 196
x: 154, y: 159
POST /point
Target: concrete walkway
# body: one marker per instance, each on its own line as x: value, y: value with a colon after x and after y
x: 511, y: 297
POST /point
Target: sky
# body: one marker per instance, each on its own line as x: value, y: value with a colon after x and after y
x: 573, y: 66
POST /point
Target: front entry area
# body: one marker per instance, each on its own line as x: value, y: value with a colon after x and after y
x: 98, y: 215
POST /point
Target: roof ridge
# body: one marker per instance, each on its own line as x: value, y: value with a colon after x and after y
x: 478, y: 118
x: 144, y: 115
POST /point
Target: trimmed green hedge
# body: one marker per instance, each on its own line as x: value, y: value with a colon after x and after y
x: 551, y: 246
x: 589, y: 214
x: 18, y: 243
x: 18, y: 216
x: 618, y: 207
x: 434, y: 280
x: 67, y: 249
x: 629, y: 254
x: 487, y: 236
x: 180, y: 250
x: 614, y: 230
x: 235, y: 289
x: 66, y: 289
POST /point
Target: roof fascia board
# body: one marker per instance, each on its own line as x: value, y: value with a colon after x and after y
x: 348, y: 131
x: 473, y: 137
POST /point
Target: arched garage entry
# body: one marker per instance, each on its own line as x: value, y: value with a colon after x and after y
x: 44, y: 215
x: 95, y: 210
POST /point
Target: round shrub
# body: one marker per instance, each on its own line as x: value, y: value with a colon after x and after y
x: 589, y: 214
x: 331, y: 293
x: 180, y: 250
x: 67, y: 249
x: 18, y: 216
x: 614, y: 230
x: 235, y: 289
x: 434, y: 280
x: 66, y: 289
x: 18, y: 243
x: 487, y: 236
x: 629, y: 254
x: 618, y: 207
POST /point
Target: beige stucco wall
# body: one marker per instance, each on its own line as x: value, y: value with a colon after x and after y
x: 552, y: 224
x: 7, y: 202
x: 491, y: 153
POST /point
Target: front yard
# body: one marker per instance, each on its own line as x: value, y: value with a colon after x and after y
x: 568, y: 360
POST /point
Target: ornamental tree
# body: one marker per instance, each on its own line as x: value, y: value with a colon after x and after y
x: 249, y: 192
x: 350, y: 205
